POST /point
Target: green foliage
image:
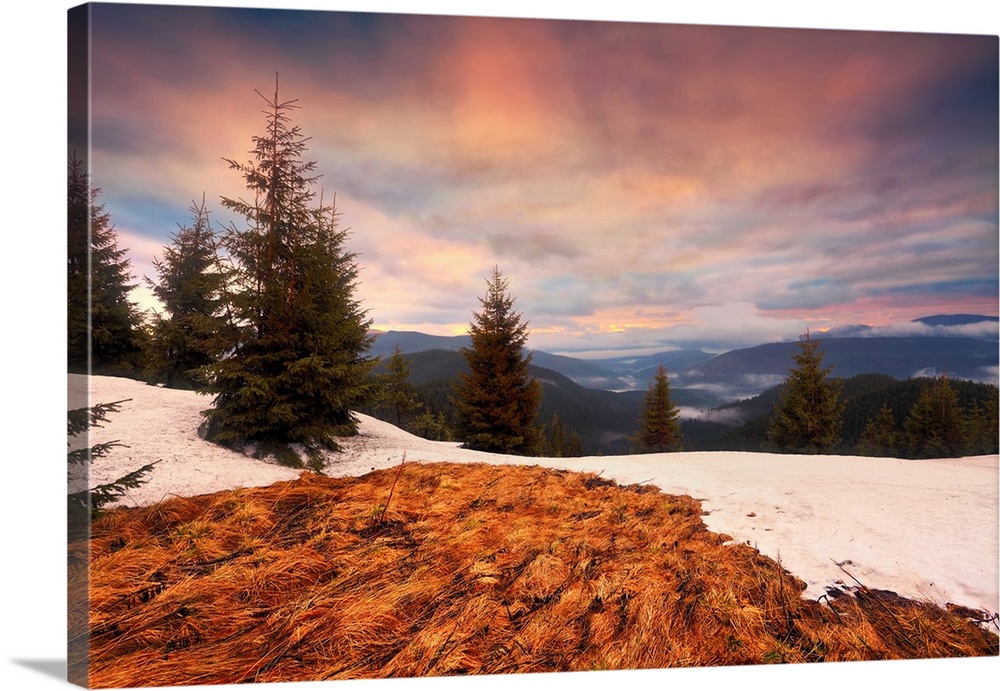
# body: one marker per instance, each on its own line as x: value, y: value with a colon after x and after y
x: 598, y: 421
x: 574, y: 446
x: 659, y: 425
x: 934, y: 426
x: 396, y: 394
x: 497, y: 401
x: 809, y: 415
x: 297, y: 365
x: 556, y: 442
x: 980, y: 426
x: 433, y: 426
x: 191, y: 286
x: 866, y: 427
x: 879, y: 437
x: 86, y: 504
x: 104, y: 329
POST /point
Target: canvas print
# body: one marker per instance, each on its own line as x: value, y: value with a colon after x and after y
x: 415, y: 346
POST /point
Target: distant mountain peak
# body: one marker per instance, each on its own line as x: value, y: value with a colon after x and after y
x: 954, y: 319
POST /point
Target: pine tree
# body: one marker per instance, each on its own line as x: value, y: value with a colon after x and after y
x: 933, y: 428
x: 659, y: 426
x: 104, y: 329
x: 397, y: 394
x: 557, y: 437
x: 84, y: 503
x: 497, y: 401
x: 574, y: 446
x: 299, y: 364
x: 879, y: 437
x: 191, y: 286
x: 809, y: 415
x: 431, y: 426
x: 980, y: 428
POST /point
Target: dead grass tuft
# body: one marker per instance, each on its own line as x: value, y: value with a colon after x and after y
x: 471, y: 569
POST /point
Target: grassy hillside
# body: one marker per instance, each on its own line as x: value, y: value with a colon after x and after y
x: 444, y: 569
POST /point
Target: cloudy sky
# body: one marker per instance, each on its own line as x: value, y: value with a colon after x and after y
x: 642, y: 185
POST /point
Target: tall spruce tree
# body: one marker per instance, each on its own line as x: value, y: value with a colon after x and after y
x: 299, y: 364
x: 809, y: 415
x: 659, y: 426
x: 104, y: 328
x: 191, y: 283
x: 497, y: 401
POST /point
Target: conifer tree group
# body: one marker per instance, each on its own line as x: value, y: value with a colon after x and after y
x: 936, y: 426
x: 298, y: 364
x: 497, y: 401
x: 264, y: 318
x: 879, y: 436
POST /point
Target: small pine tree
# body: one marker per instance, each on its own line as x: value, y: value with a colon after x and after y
x: 497, y: 401
x: 431, y: 426
x: 809, y: 416
x: 879, y: 437
x: 557, y: 437
x: 574, y: 446
x: 659, y: 425
x: 299, y: 364
x: 104, y: 329
x: 934, y: 426
x: 84, y: 503
x: 191, y: 286
x: 396, y: 393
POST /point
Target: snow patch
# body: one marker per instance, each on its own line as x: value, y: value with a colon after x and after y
x: 926, y: 529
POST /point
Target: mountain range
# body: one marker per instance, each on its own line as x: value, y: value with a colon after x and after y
x: 961, y: 346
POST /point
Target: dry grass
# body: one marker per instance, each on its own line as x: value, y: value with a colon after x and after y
x: 472, y: 569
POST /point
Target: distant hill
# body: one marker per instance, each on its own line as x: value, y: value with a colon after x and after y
x: 639, y: 370
x: 748, y: 371
x: 742, y: 425
x: 414, y: 341
x: 700, y: 379
x: 955, y: 319
x: 587, y: 373
x: 604, y: 420
x: 937, y: 325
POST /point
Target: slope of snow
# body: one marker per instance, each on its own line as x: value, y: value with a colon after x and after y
x: 926, y: 529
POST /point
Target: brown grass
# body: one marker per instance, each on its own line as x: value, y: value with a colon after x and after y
x: 472, y: 569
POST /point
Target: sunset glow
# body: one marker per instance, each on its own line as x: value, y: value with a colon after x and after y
x: 641, y: 186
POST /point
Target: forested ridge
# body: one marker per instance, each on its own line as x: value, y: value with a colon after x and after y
x: 605, y: 421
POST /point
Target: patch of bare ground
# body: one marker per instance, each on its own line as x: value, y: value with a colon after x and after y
x: 467, y: 569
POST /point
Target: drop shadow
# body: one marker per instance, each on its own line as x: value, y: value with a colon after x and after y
x: 55, y: 668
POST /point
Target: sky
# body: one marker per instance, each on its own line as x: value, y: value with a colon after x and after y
x: 643, y: 186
